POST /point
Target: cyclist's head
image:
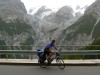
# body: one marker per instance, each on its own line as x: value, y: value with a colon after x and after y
x: 53, y: 41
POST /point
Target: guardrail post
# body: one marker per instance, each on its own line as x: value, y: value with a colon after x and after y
x: 83, y: 57
x: 31, y: 56
x: 96, y: 56
x: 6, y: 56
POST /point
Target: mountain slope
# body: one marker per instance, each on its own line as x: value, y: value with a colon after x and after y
x: 85, y: 29
x: 15, y: 33
x: 15, y: 29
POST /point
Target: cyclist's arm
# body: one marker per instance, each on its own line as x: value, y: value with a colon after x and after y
x: 56, y: 48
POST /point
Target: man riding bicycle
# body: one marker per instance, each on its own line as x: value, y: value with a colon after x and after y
x: 48, y: 51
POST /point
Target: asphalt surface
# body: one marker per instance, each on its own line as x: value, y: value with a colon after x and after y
x: 50, y: 70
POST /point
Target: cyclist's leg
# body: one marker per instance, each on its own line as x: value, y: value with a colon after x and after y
x: 50, y: 53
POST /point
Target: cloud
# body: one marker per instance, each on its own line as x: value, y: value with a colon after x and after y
x: 56, y: 4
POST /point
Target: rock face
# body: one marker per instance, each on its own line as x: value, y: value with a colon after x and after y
x: 65, y: 13
x: 94, y: 9
x: 12, y: 8
x: 14, y: 27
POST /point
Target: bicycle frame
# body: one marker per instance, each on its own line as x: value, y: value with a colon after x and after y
x: 57, y: 55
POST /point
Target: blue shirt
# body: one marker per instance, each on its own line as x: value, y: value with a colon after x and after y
x: 49, y: 45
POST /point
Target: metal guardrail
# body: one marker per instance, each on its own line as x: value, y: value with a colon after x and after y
x: 68, y: 52
x: 81, y: 52
x: 63, y: 52
x: 17, y: 52
x: 86, y: 52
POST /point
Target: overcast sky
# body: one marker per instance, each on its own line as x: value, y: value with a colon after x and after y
x: 56, y: 4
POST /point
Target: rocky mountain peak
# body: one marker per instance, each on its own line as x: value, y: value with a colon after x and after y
x: 12, y: 8
x: 94, y: 9
x: 65, y: 13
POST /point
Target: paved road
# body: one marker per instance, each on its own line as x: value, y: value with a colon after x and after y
x: 51, y: 70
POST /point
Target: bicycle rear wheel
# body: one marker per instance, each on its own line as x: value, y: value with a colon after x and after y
x: 42, y: 64
x: 60, y: 63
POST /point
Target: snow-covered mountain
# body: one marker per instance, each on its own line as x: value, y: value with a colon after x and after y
x: 51, y: 24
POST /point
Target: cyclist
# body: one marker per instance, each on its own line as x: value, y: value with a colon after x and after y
x: 48, y: 51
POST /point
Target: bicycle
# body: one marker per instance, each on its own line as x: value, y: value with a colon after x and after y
x: 43, y: 62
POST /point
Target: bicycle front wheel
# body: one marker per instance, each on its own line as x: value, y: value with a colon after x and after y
x: 60, y: 63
